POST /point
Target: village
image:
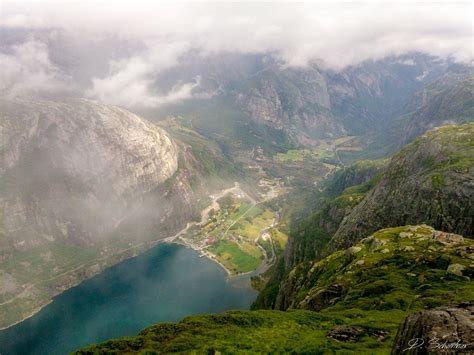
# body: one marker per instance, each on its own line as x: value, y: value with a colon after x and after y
x: 237, y: 231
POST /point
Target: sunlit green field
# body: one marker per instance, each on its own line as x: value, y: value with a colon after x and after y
x: 233, y: 234
x: 233, y: 257
x: 292, y: 155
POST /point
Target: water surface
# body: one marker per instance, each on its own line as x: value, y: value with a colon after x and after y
x: 166, y: 283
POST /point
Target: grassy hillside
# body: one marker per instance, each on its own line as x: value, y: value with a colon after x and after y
x: 244, y: 332
x: 403, y: 268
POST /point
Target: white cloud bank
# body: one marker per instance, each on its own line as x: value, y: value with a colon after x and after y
x: 129, y: 81
x: 28, y: 69
x: 339, y: 33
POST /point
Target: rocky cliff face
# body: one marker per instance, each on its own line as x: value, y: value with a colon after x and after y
x: 378, y: 90
x: 313, y: 102
x: 449, y: 100
x: 447, y: 330
x: 71, y: 168
x: 82, y: 186
x: 429, y: 181
x: 289, y: 99
x: 359, y: 173
x: 309, y: 239
x: 446, y: 100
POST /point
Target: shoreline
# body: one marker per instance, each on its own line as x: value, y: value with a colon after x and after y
x: 36, y: 310
x: 148, y: 245
x: 202, y: 254
x: 262, y: 267
x: 152, y: 244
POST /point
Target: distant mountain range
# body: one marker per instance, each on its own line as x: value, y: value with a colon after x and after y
x: 297, y: 106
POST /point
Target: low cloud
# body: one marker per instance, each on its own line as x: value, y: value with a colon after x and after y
x: 137, y: 92
x: 130, y: 82
x: 338, y: 34
x: 28, y: 69
x: 21, y: 21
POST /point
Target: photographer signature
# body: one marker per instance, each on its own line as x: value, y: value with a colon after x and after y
x: 436, y: 344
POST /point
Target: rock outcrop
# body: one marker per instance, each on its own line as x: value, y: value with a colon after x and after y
x: 395, y: 268
x: 446, y: 330
x: 448, y: 100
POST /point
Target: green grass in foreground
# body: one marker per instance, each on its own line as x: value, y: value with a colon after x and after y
x: 264, y: 331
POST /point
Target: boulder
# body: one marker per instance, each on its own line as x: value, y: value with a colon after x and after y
x: 446, y: 329
x: 353, y: 250
x: 319, y: 299
x: 447, y: 238
x: 345, y: 333
x: 455, y: 269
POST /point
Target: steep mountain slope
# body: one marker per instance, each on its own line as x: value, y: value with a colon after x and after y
x: 447, y: 100
x: 63, y: 159
x: 84, y: 185
x: 430, y: 180
x: 346, y: 189
x: 293, y: 100
x: 435, y: 172
x: 361, y: 295
x: 366, y: 96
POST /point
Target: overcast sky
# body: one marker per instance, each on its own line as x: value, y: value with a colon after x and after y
x: 339, y: 33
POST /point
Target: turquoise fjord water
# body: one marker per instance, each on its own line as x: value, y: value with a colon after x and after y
x: 166, y: 283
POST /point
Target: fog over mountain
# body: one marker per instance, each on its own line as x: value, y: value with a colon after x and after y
x: 150, y: 38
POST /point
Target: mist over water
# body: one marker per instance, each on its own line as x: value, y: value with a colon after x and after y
x: 166, y: 283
